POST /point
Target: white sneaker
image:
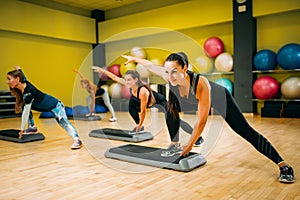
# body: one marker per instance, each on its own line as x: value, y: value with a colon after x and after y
x: 113, y: 119
x: 77, y: 144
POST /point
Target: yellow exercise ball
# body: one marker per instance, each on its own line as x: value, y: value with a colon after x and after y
x: 115, y: 91
x: 143, y: 71
x: 157, y: 61
x: 138, y: 52
x: 124, y: 68
x: 105, y: 87
x: 203, y: 64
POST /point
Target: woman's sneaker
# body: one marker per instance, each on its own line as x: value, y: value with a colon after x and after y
x: 113, y: 119
x: 90, y: 114
x: 286, y: 174
x: 172, y: 150
x: 199, y: 142
x: 31, y: 130
x: 77, y: 144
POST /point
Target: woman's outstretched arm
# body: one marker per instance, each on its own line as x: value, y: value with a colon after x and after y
x: 80, y: 75
x: 155, y: 69
x: 109, y: 74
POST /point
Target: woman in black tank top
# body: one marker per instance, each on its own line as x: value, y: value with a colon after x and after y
x: 193, y: 91
x: 142, y: 97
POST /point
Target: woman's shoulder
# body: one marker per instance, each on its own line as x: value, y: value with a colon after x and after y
x: 143, y: 89
x: 29, y: 86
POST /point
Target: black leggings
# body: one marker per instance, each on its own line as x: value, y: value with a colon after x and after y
x: 223, y: 102
x: 161, y: 103
x: 134, y: 108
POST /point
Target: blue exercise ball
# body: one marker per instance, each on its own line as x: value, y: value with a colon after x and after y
x: 226, y: 83
x: 265, y: 60
x: 288, y: 56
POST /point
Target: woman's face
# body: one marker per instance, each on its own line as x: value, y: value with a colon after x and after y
x: 176, y: 73
x: 84, y: 84
x: 12, y: 82
x: 130, y: 81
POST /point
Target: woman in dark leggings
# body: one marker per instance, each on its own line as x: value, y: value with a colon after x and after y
x: 29, y: 97
x: 189, y: 90
x: 143, y: 97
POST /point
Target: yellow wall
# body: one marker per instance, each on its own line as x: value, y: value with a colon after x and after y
x: 180, y: 16
x: 197, y: 20
x: 28, y: 18
x: 47, y: 44
x: 273, y: 31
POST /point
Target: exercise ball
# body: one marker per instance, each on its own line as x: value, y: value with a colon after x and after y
x: 126, y: 92
x: 203, y: 64
x: 265, y: 60
x: 290, y: 88
x: 115, y: 90
x: 265, y: 87
x: 157, y: 61
x: 224, y: 62
x: 138, y: 52
x: 115, y: 69
x: 288, y: 56
x: 143, y: 71
x: 124, y: 68
x: 226, y: 83
x: 102, y: 76
x: 213, y: 46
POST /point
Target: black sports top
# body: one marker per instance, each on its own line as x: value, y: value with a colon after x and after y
x: 40, y: 101
x: 189, y: 103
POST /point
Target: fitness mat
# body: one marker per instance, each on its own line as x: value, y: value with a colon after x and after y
x: 123, y: 135
x: 151, y: 156
x: 13, y: 136
x: 87, y: 118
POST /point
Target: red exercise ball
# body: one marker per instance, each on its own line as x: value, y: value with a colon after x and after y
x: 265, y: 87
x: 213, y: 46
x: 115, y: 69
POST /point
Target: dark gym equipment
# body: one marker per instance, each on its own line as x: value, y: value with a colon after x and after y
x: 123, y: 135
x: 151, y: 156
x: 13, y: 136
x: 87, y: 118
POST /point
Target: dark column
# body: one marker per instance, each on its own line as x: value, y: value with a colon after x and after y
x: 98, y: 49
x: 244, y: 30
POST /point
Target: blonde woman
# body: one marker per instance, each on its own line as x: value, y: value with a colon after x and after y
x: 96, y: 92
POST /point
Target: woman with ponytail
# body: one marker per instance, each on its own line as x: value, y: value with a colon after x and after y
x: 192, y: 91
x: 142, y: 97
x: 29, y: 97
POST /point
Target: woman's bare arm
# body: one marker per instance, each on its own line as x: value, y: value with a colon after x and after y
x: 155, y: 69
x: 109, y: 74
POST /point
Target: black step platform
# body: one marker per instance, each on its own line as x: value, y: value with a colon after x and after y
x: 151, y: 156
x: 13, y: 136
x: 87, y: 118
x: 123, y: 135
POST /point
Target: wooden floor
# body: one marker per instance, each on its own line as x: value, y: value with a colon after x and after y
x: 235, y: 170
